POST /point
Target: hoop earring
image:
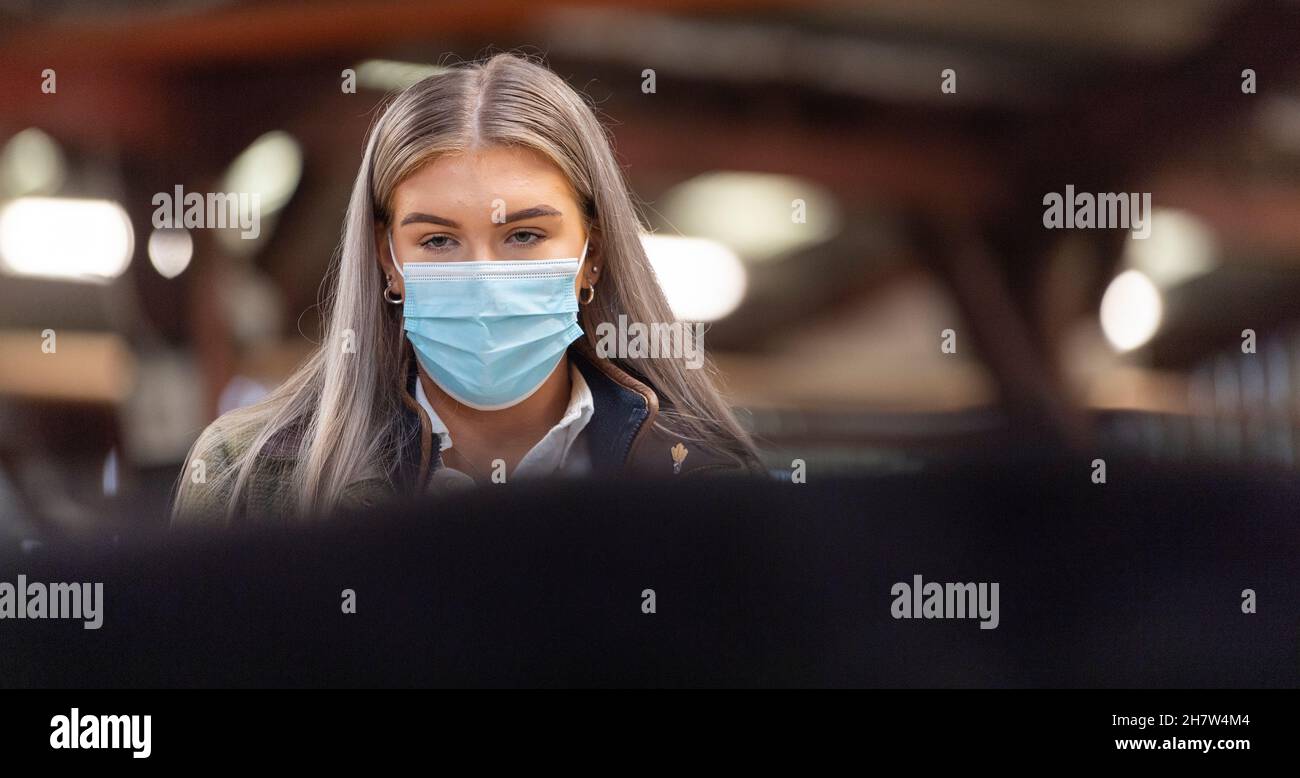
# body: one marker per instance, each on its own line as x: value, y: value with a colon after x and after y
x: 388, y: 294
x: 591, y: 295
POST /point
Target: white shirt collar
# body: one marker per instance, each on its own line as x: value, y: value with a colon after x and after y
x: 552, y: 452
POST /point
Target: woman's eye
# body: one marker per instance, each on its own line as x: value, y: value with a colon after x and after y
x: 437, y: 242
x: 525, y: 237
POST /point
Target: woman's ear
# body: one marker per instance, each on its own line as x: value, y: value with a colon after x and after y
x: 395, y: 286
x: 589, y: 275
x: 591, y: 267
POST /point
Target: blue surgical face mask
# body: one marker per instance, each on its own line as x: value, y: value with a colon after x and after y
x: 490, y: 333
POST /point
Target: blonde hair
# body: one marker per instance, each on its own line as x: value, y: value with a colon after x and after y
x: 344, y: 410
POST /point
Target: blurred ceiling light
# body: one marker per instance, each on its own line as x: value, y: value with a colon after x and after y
x: 1180, y: 247
x: 170, y: 251
x: 270, y: 167
x: 702, y: 279
x: 1131, y: 310
x: 385, y: 74
x: 31, y: 164
x: 88, y: 240
x: 756, y: 214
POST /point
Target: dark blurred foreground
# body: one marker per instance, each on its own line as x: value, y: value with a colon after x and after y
x: 1134, y: 583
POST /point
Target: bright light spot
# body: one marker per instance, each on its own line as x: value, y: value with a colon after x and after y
x: 109, y: 475
x: 703, y: 279
x: 1180, y: 247
x: 239, y: 393
x: 271, y: 166
x: 754, y: 213
x: 31, y: 164
x: 170, y: 251
x: 89, y: 240
x: 1130, y: 310
x: 385, y: 75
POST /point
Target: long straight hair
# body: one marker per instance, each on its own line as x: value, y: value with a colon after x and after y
x: 342, y: 408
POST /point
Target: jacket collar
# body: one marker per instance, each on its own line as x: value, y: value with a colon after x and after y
x: 624, y: 405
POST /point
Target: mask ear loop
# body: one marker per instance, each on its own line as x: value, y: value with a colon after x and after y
x: 393, y: 256
x: 388, y: 290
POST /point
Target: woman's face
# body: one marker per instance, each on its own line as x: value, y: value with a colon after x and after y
x: 490, y: 203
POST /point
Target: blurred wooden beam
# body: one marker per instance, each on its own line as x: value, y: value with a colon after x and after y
x: 278, y: 30
x: 905, y: 167
x: 94, y: 108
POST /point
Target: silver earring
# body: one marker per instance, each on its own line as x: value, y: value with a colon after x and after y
x: 388, y: 294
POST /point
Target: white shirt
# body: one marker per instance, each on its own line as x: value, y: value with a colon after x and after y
x: 554, y: 454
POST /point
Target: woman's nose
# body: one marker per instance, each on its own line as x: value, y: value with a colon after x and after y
x: 480, y: 251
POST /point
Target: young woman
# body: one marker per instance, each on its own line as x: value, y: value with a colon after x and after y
x: 488, y: 235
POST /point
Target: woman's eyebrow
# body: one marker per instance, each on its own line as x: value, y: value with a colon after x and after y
x: 531, y: 213
x: 411, y: 218
x: 527, y: 213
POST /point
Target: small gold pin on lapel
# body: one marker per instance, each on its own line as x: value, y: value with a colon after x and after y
x: 679, y: 453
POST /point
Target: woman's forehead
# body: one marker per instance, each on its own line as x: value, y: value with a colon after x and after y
x: 480, y: 180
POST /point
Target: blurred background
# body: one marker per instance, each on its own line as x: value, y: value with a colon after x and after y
x: 921, y: 197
